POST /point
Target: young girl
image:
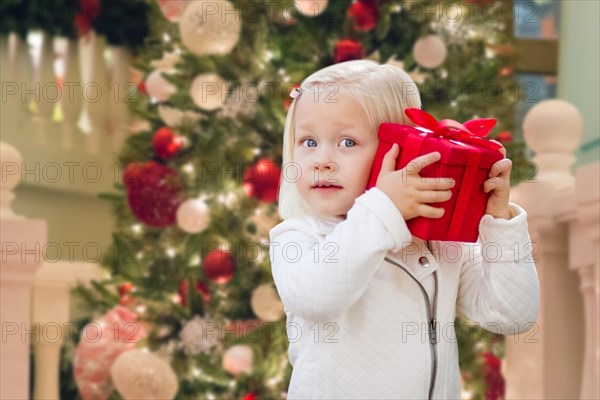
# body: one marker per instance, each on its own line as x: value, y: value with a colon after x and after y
x: 370, y: 308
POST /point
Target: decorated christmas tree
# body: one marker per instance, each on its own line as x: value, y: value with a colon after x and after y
x: 188, y: 307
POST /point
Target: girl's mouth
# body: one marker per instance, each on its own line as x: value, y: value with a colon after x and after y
x: 327, y: 189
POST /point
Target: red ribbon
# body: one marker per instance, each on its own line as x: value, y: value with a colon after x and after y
x: 472, y: 132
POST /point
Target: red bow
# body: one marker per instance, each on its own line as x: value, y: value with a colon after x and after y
x: 473, y: 131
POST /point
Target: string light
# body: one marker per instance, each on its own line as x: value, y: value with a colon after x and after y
x: 141, y: 309
x: 171, y: 252
x: 136, y: 228
x: 195, y: 260
x: 188, y: 168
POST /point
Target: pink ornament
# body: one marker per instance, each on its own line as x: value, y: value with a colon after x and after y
x: 172, y: 9
x: 101, y: 342
x: 430, y: 51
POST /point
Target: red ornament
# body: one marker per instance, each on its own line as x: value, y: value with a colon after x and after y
x: 504, y: 137
x: 348, y: 49
x: 125, y: 288
x: 219, y: 266
x: 154, y: 193
x: 250, y: 396
x: 364, y: 15
x: 141, y: 87
x: 261, y: 180
x: 494, y: 380
x: 166, y: 143
x: 200, y: 287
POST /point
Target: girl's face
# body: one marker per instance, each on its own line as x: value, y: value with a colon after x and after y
x: 333, y: 144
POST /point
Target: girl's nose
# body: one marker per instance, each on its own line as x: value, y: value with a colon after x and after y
x: 328, y: 166
x: 323, y: 166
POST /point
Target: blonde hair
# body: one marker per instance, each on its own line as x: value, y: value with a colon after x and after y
x: 384, y: 91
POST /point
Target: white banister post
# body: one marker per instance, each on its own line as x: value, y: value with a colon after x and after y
x: 51, y: 303
x: 71, y: 99
x: 21, y: 255
x: 120, y: 95
x: 585, y: 259
x: 545, y: 363
x: 47, y: 91
x: 97, y: 93
x: 19, y: 76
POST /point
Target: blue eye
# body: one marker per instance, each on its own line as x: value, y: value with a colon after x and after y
x: 350, y: 141
x: 304, y: 140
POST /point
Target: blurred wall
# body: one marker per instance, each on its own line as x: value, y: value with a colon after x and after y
x: 79, y: 224
x: 579, y: 70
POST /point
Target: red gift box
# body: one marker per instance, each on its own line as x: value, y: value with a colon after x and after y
x: 466, y: 157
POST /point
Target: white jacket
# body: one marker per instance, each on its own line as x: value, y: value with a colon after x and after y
x: 360, y: 299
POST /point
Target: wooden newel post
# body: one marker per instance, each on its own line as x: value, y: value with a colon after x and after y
x: 546, y: 362
x: 22, y: 241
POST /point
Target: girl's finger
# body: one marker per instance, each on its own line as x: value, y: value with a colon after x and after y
x: 501, y: 149
x: 434, y: 196
x: 500, y: 167
x: 389, y: 159
x: 417, y: 164
x: 435, y: 183
x: 494, y: 183
x: 429, y: 211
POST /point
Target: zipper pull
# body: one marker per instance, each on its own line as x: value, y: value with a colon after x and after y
x: 433, y: 331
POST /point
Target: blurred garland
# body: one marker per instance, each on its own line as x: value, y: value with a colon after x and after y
x: 123, y: 23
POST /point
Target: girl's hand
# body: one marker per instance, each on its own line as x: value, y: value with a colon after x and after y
x: 499, y: 184
x: 411, y: 192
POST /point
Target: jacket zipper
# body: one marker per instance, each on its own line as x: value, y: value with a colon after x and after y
x: 431, y: 320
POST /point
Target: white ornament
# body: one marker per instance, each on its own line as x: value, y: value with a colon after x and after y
x: 266, y: 304
x: 174, y: 117
x: 139, y: 374
x: 158, y: 87
x: 210, y: 27
x: 193, y: 216
x: 238, y: 359
x: 430, y: 51
x: 311, y: 8
x: 200, y: 335
x: 208, y: 91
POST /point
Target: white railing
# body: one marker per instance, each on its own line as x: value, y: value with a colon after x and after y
x: 560, y: 357
x: 66, y: 101
x: 51, y: 319
x: 34, y: 298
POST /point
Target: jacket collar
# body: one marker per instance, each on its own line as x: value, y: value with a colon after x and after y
x: 409, y: 257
